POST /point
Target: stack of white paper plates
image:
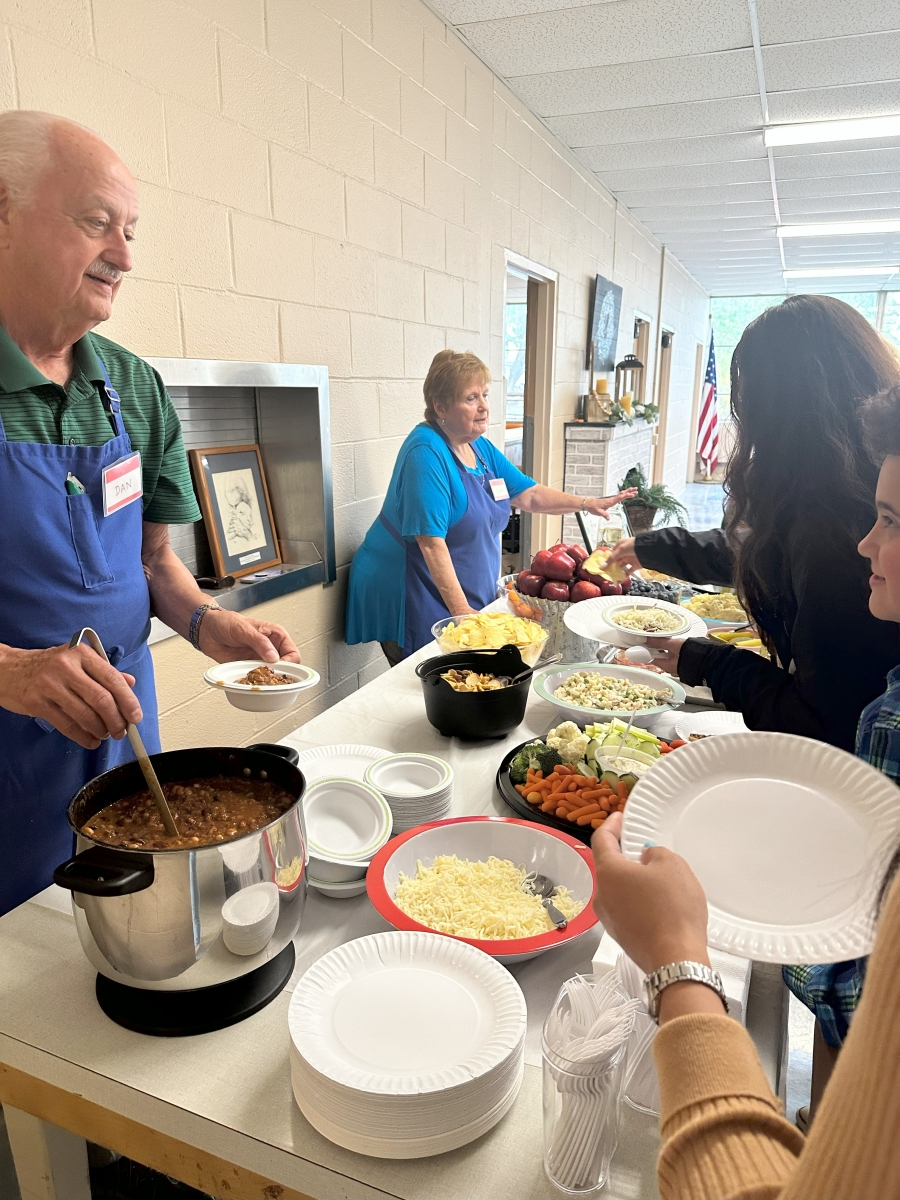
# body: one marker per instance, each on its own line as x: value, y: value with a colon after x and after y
x: 418, y: 788
x: 405, y: 1045
x: 345, y: 761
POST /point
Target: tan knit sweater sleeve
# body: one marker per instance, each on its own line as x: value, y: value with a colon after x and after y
x: 723, y: 1135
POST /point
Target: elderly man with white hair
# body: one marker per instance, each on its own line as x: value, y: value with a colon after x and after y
x: 92, y: 473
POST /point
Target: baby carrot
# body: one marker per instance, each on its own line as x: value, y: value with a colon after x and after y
x: 588, y: 817
x: 598, y: 821
x: 622, y: 790
x: 586, y: 809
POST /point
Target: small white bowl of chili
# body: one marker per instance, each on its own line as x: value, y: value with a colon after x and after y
x: 258, y: 696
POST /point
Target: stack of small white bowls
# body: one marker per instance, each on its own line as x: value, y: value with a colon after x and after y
x: 346, y: 822
x: 405, y: 1045
x: 418, y: 788
x: 249, y: 918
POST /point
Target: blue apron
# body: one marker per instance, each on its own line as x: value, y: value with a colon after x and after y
x: 474, y: 545
x: 65, y: 566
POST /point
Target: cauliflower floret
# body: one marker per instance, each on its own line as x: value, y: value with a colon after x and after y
x: 568, y: 741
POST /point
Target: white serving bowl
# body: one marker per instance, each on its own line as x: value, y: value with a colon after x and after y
x: 346, y: 820
x: 530, y: 652
x: 547, y: 681
x: 633, y: 637
x: 540, y: 849
x: 336, y: 870
x: 338, y: 891
x: 249, y: 918
x: 260, y: 699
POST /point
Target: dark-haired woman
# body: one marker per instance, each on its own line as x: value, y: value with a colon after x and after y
x: 801, y: 487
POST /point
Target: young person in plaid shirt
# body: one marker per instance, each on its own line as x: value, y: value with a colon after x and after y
x: 833, y: 990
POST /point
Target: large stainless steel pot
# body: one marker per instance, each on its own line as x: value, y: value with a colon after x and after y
x: 153, y: 919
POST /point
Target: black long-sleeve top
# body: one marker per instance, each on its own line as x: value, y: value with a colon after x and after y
x: 835, y: 653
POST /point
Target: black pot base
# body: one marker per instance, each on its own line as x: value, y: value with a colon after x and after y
x: 198, y: 1010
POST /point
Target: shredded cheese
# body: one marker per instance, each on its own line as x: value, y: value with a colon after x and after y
x: 482, y: 900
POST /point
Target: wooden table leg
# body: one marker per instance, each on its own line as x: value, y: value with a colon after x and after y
x: 51, y: 1163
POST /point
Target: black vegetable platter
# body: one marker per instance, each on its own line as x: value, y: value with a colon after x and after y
x: 530, y: 812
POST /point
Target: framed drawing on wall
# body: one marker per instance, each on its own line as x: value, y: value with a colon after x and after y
x: 604, y: 328
x: 234, y: 499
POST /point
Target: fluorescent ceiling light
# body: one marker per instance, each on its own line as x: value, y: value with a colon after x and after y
x: 835, y: 272
x: 837, y: 228
x: 804, y: 133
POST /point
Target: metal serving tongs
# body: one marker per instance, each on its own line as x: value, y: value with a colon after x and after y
x: 90, y: 636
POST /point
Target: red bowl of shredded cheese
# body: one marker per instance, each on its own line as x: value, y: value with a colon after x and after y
x: 464, y: 878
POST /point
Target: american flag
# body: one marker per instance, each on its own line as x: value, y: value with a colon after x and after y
x: 708, y: 432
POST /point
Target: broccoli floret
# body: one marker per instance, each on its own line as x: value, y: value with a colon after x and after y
x: 533, y: 757
x: 569, y: 741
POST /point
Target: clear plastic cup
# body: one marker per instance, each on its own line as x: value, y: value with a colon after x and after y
x: 581, y: 1115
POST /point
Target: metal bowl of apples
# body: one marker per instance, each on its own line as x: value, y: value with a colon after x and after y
x: 556, y: 579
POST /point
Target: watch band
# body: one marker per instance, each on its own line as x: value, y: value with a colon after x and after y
x: 196, y: 621
x: 584, y: 506
x: 681, y: 972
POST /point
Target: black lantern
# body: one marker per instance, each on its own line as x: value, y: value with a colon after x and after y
x: 629, y: 381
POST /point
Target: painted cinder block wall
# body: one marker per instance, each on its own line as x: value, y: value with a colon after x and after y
x: 332, y: 183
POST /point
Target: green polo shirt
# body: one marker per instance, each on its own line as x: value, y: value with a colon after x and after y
x: 34, y: 409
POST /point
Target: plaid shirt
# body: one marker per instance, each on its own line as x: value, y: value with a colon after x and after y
x: 832, y: 990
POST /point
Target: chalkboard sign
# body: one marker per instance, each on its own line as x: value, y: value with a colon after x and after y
x: 606, y: 304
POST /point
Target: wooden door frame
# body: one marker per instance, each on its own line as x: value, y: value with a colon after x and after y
x: 540, y: 368
x: 663, y: 374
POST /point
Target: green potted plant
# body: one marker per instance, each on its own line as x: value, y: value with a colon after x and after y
x: 652, y: 500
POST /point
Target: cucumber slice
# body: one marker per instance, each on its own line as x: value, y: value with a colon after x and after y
x: 586, y: 770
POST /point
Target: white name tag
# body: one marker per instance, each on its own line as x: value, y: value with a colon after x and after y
x: 499, y: 490
x: 122, y: 484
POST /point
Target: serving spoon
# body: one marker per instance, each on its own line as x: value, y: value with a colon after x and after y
x: 543, y: 888
x: 90, y: 636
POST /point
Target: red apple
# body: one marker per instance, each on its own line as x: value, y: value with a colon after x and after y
x: 529, y: 584
x: 559, y: 546
x: 589, y: 576
x: 578, y: 553
x: 540, y: 561
x: 610, y: 589
x: 559, y: 566
x: 554, y: 591
x: 625, y: 585
x: 584, y: 591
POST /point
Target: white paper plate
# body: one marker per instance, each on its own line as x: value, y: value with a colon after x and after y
x: 224, y: 676
x: 405, y: 1013
x: 400, y: 1148
x: 710, y: 724
x: 588, y: 619
x: 346, y: 760
x: 788, y: 836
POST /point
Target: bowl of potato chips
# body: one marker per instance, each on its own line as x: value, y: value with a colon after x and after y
x: 490, y: 631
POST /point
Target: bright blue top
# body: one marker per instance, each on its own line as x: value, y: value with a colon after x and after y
x: 425, y: 498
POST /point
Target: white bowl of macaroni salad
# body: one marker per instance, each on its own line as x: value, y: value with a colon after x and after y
x: 596, y: 692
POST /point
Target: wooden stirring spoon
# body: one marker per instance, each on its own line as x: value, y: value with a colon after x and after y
x: 90, y: 636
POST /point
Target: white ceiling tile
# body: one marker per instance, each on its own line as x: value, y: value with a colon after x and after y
x: 673, y: 152
x: 805, y: 20
x: 832, y: 62
x: 814, y: 148
x: 873, y: 207
x: 886, y: 184
x: 831, y: 104
x: 459, y: 12
x: 703, y: 227
x: 687, y: 197
x: 649, y: 124
x: 837, y: 163
x: 671, y: 81
x: 705, y: 175
x: 651, y: 215
x: 630, y: 31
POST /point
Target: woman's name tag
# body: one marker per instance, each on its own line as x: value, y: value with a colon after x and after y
x: 499, y: 490
x: 122, y: 484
